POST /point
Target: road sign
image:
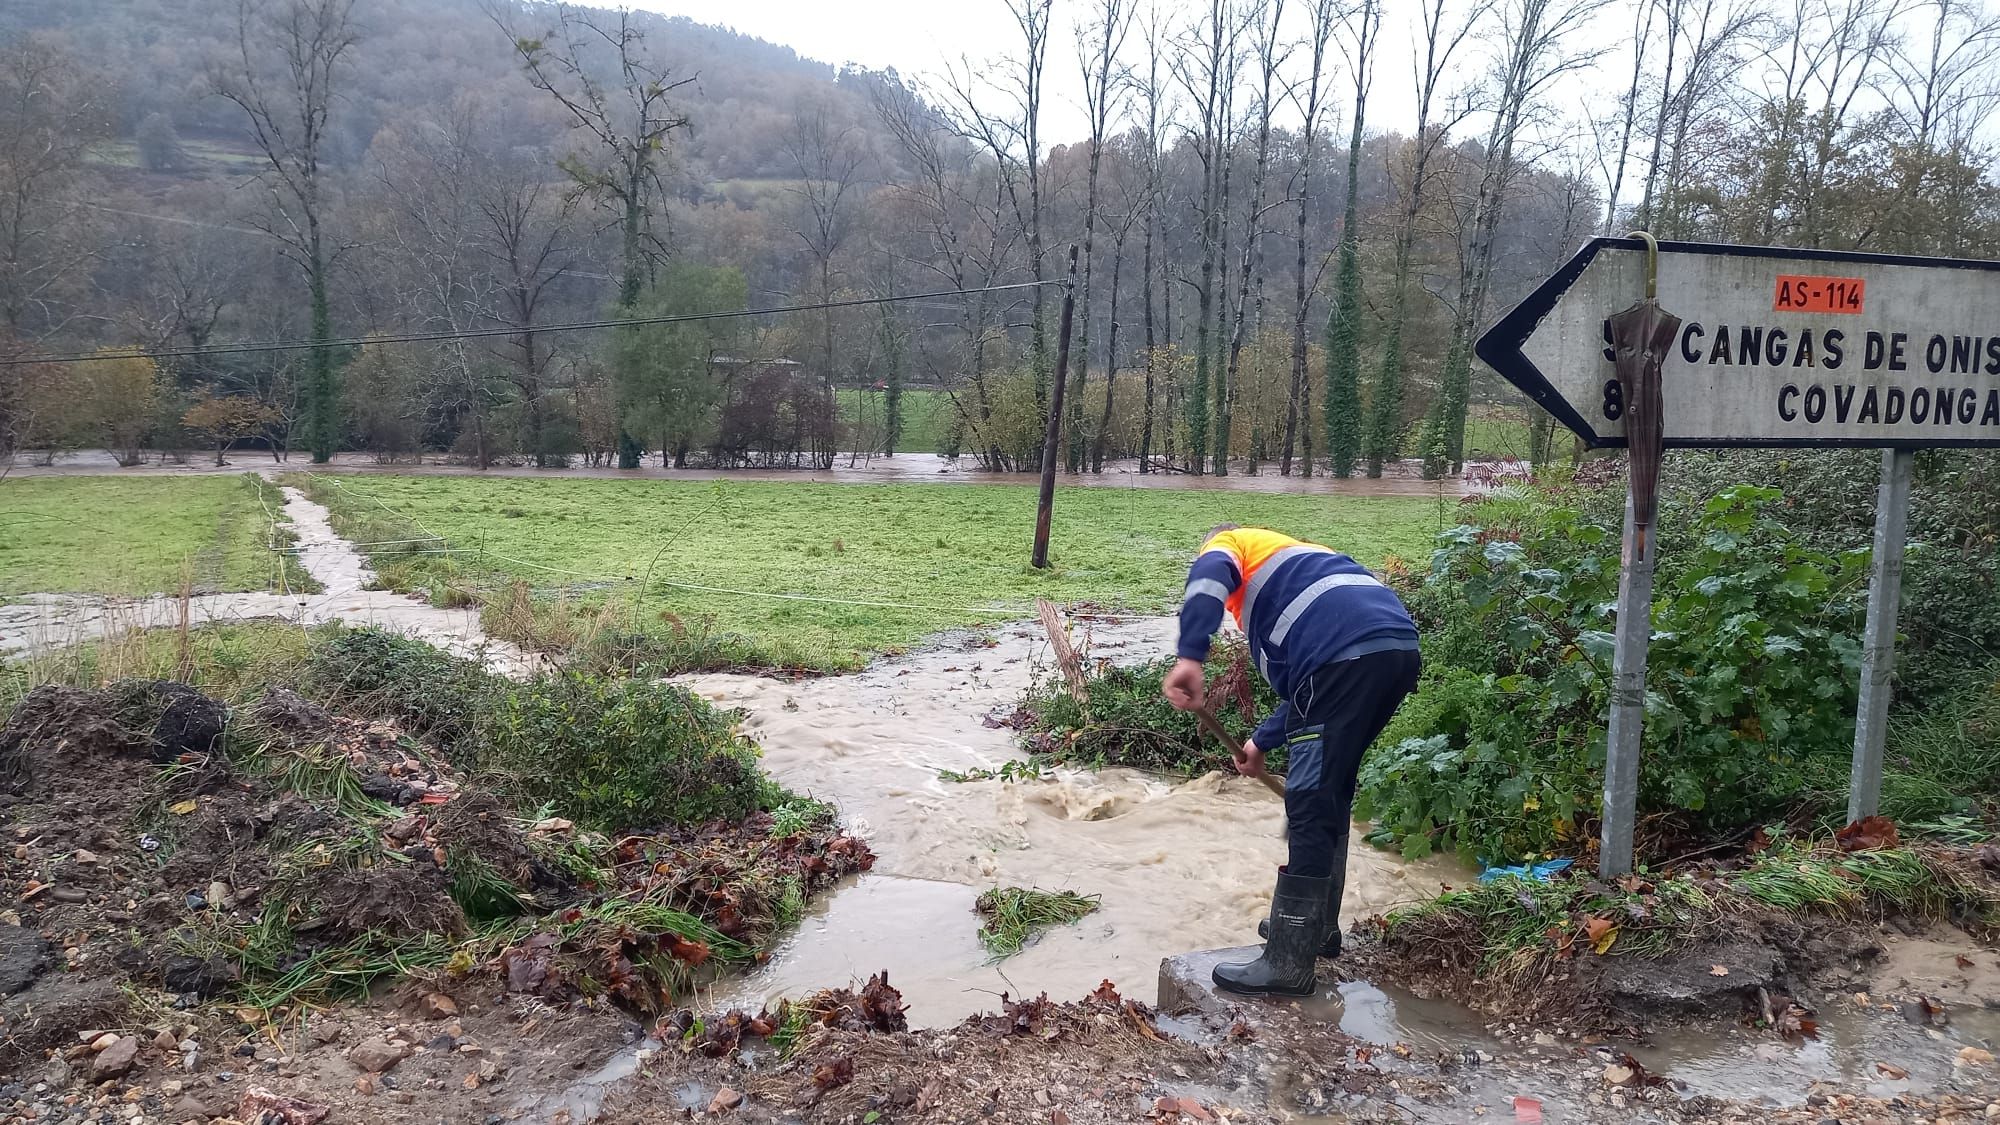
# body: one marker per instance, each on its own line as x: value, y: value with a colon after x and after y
x: 1777, y: 347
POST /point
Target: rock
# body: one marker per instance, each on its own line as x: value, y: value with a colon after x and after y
x: 262, y: 1107
x: 58, y: 1073
x: 377, y: 1055
x: 217, y: 896
x: 1186, y: 983
x: 166, y: 1042
x: 84, y: 856
x: 24, y: 956
x: 104, y: 1041
x: 1974, y: 1056
x: 389, y: 790
x: 1684, y: 983
x: 436, y: 1006
x: 725, y: 1100
x: 116, y: 1060
x: 204, y: 978
x: 190, y: 1107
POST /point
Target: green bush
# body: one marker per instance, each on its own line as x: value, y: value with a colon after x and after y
x: 1128, y: 723
x: 1752, y: 674
x: 435, y: 695
x: 617, y: 755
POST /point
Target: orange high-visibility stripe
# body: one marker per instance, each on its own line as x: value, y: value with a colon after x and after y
x: 1250, y: 548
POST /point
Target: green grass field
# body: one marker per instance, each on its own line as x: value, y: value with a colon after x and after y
x: 946, y: 555
x: 134, y: 535
x: 925, y: 413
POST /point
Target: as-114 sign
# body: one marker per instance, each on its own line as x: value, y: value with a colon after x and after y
x: 1776, y: 347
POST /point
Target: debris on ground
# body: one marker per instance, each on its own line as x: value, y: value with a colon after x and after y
x: 188, y: 875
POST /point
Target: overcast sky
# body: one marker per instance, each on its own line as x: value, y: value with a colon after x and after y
x: 919, y: 37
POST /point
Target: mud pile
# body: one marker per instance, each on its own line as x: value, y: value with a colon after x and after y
x: 163, y: 852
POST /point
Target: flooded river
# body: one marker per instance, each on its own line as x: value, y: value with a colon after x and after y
x: 1399, y: 479
x: 1180, y: 865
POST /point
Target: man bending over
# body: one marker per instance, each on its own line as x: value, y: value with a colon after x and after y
x: 1341, y: 652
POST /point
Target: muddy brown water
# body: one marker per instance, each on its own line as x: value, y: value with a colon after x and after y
x: 1179, y: 864
x: 1400, y: 479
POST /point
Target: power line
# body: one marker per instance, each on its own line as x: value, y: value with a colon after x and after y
x: 487, y: 333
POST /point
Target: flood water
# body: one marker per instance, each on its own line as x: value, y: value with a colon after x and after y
x: 1179, y: 865
x: 1399, y: 479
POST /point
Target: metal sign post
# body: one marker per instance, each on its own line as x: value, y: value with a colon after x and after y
x: 1777, y: 347
x: 1639, y: 337
x: 1878, y: 652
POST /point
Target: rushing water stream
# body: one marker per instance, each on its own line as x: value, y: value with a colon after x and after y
x: 1180, y: 865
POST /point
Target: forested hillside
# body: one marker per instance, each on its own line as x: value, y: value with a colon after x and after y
x: 1271, y: 278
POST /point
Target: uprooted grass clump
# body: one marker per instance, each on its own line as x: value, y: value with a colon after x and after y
x: 1120, y: 719
x: 612, y: 753
x: 1015, y: 916
x: 1543, y: 947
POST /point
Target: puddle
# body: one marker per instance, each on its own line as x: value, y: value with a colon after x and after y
x: 47, y: 621
x: 1854, y: 1047
x: 922, y: 931
x: 1179, y: 865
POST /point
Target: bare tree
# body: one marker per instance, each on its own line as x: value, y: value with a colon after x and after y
x: 525, y: 231
x: 1014, y: 140
x: 828, y: 159
x: 955, y: 201
x: 1266, y: 16
x: 627, y: 129
x: 51, y: 112
x: 1343, y: 330
x: 1323, y: 16
x: 1103, y: 90
x: 1152, y: 92
x: 1205, y: 66
x: 1614, y: 172
x: 1538, y: 45
x: 1443, y: 37
x: 285, y: 81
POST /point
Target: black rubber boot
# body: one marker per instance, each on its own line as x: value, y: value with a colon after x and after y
x: 1297, y: 926
x: 1329, y: 948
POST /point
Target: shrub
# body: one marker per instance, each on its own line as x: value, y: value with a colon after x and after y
x: 617, y: 754
x: 435, y: 695
x: 1752, y: 672
x: 1128, y: 723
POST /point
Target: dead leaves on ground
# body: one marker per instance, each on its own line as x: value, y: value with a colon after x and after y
x: 1868, y: 834
x: 1789, y: 1019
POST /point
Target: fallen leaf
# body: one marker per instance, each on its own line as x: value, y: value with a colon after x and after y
x: 835, y: 1074
x: 1893, y: 1073
x: 1867, y: 834
x: 1718, y: 970
x: 182, y: 808
x: 1106, y: 993
x: 471, y: 1081
x: 1964, y: 962
x: 1528, y: 1111
x: 1602, y: 933
x: 1192, y: 1108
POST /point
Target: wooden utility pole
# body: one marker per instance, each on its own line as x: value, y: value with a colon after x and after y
x: 1045, y: 508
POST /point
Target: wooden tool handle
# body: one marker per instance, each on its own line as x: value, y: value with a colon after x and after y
x: 1220, y: 733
